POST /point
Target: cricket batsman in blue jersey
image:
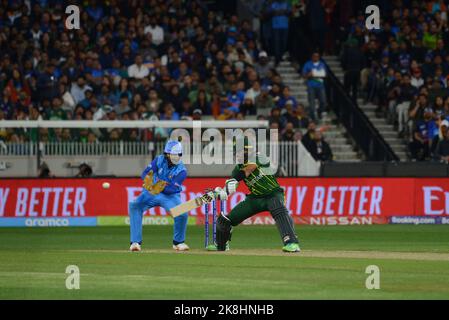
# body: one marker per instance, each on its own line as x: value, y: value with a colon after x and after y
x: 163, y: 179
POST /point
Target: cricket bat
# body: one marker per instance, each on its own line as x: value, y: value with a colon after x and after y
x: 192, y: 204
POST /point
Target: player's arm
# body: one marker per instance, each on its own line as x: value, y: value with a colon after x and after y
x: 175, y: 185
x: 147, y: 177
x: 249, y: 168
x: 307, y: 71
x: 237, y: 176
x: 151, y: 167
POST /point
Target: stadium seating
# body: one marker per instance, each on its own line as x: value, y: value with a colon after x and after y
x: 404, y: 76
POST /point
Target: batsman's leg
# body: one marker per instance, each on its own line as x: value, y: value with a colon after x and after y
x: 238, y: 214
x: 136, y: 209
x: 224, y: 229
x: 284, y: 222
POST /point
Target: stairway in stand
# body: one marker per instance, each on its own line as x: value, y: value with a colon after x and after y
x: 385, y: 129
x: 336, y: 135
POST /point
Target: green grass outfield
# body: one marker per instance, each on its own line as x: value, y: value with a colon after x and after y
x: 414, y: 264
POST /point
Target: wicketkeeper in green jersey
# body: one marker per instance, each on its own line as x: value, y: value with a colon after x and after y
x: 265, y: 195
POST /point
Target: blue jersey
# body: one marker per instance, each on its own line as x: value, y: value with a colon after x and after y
x: 174, y: 175
x: 280, y: 21
x: 314, y: 82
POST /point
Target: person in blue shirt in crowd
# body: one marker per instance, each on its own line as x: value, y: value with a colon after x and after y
x: 163, y: 179
x: 422, y: 136
x: 314, y: 71
x: 280, y: 12
x: 285, y: 97
x: 235, y: 97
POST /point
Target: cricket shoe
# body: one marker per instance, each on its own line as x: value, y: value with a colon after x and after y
x: 291, y: 247
x: 213, y: 247
x: 181, y: 247
x: 135, y: 247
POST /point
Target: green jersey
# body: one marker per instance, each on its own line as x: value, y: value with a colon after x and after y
x: 261, y: 182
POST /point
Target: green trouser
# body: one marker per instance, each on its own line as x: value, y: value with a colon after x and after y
x: 253, y: 205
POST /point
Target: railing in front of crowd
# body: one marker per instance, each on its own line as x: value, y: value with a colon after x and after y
x: 356, y: 122
x: 294, y: 160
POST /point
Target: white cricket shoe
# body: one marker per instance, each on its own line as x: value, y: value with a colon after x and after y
x: 181, y: 247
x: 135, y: 247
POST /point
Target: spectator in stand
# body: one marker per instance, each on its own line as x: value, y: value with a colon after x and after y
x: 314, y: 72
x: 371, y: 54
x: 156, y: 31
x: 264, y: 99
x: 263, y: 65
x: 416, y: 110
x: 416, y: 78
x: 275, y: 92
x: 56, y: 112
x: 254, y: 91
x: 67, y: 99
x: 442, y: 127
x: 420, y: 146
x: 79, y: 88
x: 138, y: 70
x: 412, y: 44
x: 352, y: 62
x: 329, y: 9
x: 235, y: 97
x: 186, y: 108
x: 44, y: 172
x: 290, y: 115
x: 307, y: 138
x: 247, y: 107
x: 318, y: 148
x: 123, y: 106
x: 317, y: 23
x: 275, y: 117
x: 442, y: 148
x: 202, y: 102
x: 285, y: 98
x: 289, y: 133
x: 405, y: 93
x: 166, y: 56
x: 301, y: 115
x: 47, y: 87
x: 197, y: 114
x: 85, y: 171
x: 280, y: 11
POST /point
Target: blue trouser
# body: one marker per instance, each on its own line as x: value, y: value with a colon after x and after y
x: 280, y: 39
x: 312, y: 94
x: 147, y: 201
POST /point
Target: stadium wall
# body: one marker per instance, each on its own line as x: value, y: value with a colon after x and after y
x: 317, y: 201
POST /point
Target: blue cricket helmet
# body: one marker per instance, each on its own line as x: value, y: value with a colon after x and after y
x: 173, y: 147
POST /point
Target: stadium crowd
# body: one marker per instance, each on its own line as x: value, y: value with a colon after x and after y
x: 135, y: 60
x: 403, y: 68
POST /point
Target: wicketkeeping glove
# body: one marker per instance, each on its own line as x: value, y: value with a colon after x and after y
x: 158, y: 187
x: 155, y: 188
x: 148, y: 181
